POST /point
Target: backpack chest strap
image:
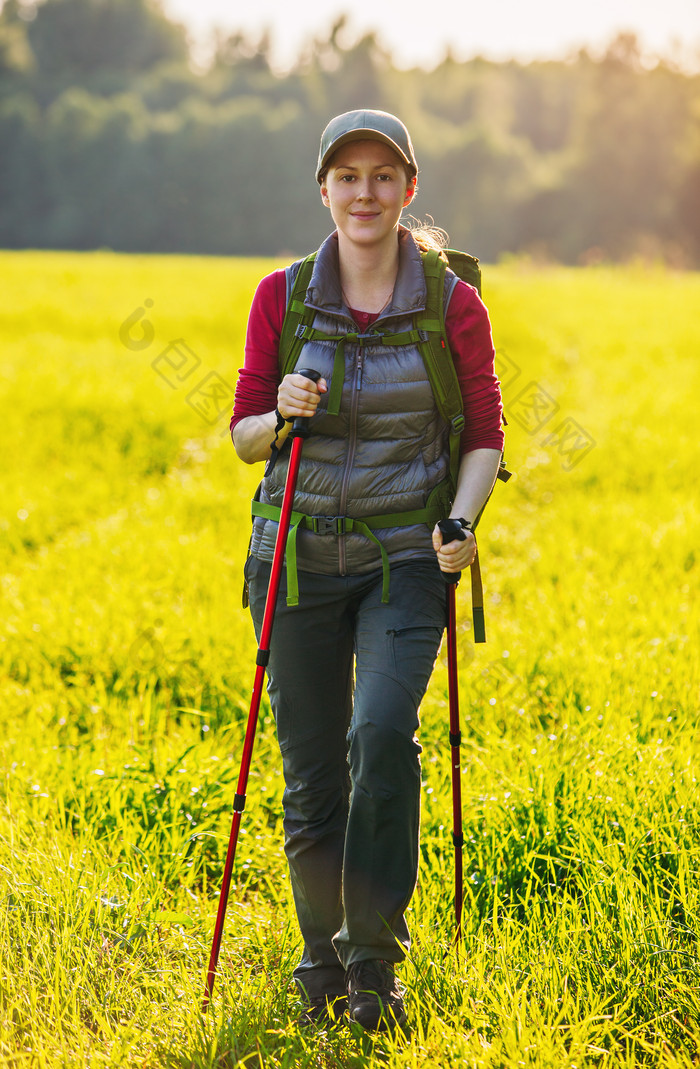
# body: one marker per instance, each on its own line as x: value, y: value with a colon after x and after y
x: 306, y: 333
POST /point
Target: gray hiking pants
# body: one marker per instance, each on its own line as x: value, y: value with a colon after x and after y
x: 350, y: 756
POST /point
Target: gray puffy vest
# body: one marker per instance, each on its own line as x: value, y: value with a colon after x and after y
x: 385, y: 452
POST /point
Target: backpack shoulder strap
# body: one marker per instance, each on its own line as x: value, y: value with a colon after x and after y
x: 437, y: 357
x: 435, y: 348
x: 468, y: 269
x: 297, y: 314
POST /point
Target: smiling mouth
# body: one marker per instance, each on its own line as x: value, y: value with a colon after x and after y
x: 364, y: 215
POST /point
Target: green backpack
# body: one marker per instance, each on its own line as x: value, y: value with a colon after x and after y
x: 429, y: 334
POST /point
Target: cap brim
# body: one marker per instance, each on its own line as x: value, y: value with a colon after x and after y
x: 362, y: 135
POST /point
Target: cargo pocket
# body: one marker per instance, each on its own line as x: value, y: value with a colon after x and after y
x: 411, y: 655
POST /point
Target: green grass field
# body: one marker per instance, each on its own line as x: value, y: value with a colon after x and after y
x: 126, y: 666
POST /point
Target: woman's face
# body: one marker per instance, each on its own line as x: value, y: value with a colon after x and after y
x: 366, y: 187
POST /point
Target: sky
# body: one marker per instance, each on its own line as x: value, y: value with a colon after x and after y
x: 419, y: 33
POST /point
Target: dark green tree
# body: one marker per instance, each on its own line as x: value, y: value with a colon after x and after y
x: 101, y: 44
x: 626, y: 151
x: 109, y: 135
x: 24, y: 188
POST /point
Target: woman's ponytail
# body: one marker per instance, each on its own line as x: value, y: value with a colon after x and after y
x: 428, y: 237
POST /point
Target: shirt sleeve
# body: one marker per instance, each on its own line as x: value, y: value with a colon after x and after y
x: 469, y: 337
x: 258, y: 379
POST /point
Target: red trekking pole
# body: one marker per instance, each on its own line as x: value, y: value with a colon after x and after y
x: 299, y: 432
x: 452, y: 530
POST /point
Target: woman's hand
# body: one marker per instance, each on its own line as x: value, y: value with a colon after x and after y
x: 296, y: 396
x: 454, y: 556
x: 299, y: 396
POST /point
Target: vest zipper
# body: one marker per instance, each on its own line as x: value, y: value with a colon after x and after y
x: 352, y: 445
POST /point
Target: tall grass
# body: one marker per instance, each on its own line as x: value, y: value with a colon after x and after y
x: 126, y: 666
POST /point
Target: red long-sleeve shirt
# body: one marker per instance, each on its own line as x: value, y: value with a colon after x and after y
x: 468, y: 333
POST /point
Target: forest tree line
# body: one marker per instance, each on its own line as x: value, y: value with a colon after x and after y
x: 111, y: 136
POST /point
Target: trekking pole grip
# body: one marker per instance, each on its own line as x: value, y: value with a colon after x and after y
x: 300, y: 427
x: 452, y: 531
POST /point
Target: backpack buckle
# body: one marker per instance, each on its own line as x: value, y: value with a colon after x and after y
x: 370, y: 336
x: 458, y: 423
x: 423, y: 335
x: 300, y: 332
x: 328, y: 525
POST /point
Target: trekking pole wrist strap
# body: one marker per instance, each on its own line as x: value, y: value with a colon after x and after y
x: 281, y: 420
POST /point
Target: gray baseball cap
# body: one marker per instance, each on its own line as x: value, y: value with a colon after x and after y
x: 365, y: 126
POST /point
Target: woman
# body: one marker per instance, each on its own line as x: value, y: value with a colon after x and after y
x: 350, y: 662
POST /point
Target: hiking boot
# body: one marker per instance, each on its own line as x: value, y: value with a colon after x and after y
x: 323, y: 1011
x: 375, y: 997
